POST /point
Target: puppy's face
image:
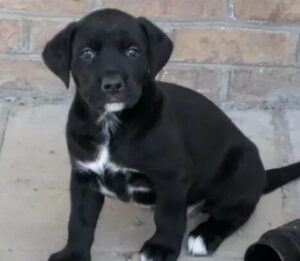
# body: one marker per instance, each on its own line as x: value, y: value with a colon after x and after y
x: 109, y: 60
x: 111, y: 56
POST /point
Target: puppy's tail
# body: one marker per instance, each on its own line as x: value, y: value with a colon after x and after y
x: 281, y: 176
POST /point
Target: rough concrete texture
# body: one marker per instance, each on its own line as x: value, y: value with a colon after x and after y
x: 210, y: 82
x: 263, y: 83
x: 34, y: 199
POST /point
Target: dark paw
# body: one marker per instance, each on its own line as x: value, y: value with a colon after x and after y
x: 151, y: 252
x: 66, y: 255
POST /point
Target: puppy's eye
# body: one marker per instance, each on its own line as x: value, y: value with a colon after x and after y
x: 87, y: 54
x: 132, y: 52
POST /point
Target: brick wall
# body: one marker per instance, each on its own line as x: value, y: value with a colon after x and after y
x: 230, y: 50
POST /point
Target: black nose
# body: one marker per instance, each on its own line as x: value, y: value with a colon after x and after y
x: 112, y: 83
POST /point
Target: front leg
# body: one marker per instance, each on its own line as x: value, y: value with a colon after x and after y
x: 86, y: 205
x: 170, y: 220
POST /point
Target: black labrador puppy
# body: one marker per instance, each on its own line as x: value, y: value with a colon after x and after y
x: 150, y: 142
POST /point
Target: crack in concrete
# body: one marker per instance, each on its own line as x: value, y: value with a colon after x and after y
x: 284, y: 150
x: 126, y: 255
x: 4, y: 116
x: 281, y: 145
x: 281, y: 133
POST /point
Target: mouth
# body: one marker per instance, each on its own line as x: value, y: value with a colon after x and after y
x: 114, y: 106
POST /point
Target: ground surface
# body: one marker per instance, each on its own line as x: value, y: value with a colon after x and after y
x: 34, y: 203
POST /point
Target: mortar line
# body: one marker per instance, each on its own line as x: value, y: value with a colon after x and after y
x: 227, y: 90
x: 25, y: 42
x: 21, y: 56
x: 188, y: 64
x: 12, y: 14
x: 92, y: 4
x: 214, y: 22
x: 230, y: 9
x: 231, y: 25
x: 25, y: 56
x: 296, y: 51
x: 30, y: 97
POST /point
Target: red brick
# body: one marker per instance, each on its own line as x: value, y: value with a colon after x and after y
x: 43, y: 31
x: 263, y: 84
x: 232, y: 46
x: 206, y: 81
x: 31, y: 75
x: 271, y: 10
x: 175, y: 9
x: 52, y: 6
x: 9, y: 34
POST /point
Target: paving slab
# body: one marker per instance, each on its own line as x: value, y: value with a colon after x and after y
x: 293, y: 117
x: 23, y: 255
x: 34, y: 197
x: 257, y: 126
x: 34, y: 150
x: 29, y: 255
x: 292, y: 190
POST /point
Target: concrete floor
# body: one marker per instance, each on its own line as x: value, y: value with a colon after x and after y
x: 34, y: 199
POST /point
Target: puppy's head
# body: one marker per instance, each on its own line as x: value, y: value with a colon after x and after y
x: 110, y: 55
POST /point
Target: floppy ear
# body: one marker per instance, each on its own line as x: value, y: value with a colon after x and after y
x: 160, y: 46
x: 57, y: 53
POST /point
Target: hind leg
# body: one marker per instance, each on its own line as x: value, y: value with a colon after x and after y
x: 206, y: 237
x: 231, y: 201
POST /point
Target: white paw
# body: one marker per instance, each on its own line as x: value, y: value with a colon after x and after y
x: 145, y: 257
x: 196, y: 246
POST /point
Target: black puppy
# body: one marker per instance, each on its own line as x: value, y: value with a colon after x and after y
x: 149, y: 142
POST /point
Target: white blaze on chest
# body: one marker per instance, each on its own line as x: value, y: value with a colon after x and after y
x: 108, y: 123
x: 97, y: 165
x: 102, y: 162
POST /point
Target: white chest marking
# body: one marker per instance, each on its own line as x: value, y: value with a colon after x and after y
x: 98, y: 164
x: 102, y: 162
x: 108, y: 122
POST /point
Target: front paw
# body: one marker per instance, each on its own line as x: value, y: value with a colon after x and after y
x: 152, y: 252
x: 67, y: 255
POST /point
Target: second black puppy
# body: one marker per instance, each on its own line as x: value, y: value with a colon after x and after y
x: 150, y: 142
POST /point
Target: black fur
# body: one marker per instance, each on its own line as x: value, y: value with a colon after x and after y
x: 180, y: 147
